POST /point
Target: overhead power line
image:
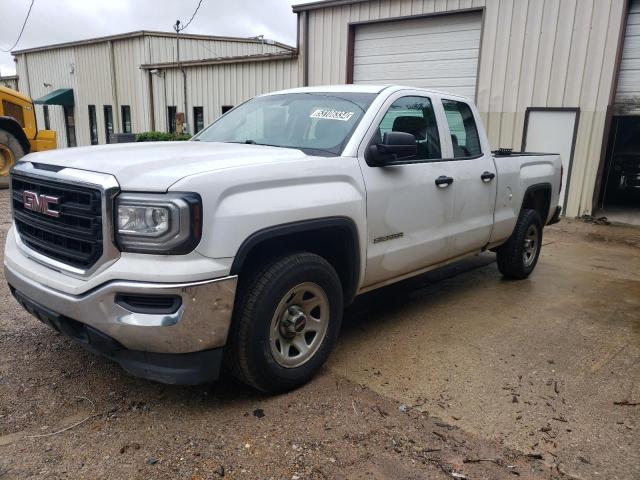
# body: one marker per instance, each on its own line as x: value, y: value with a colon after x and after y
x: 24, y: 24
x: 183, y: 27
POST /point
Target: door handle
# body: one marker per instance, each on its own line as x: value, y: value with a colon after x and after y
x: 443, y: 181
x: 487, y: 176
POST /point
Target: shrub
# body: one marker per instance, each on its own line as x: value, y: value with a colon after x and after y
x: 161, y: 137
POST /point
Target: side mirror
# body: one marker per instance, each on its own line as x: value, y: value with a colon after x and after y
x: 394, y: 146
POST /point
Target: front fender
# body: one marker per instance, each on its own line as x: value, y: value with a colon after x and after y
x: 239, y: 202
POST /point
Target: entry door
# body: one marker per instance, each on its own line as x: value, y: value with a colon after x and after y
x: 552, y: 131
x: 408, y: 215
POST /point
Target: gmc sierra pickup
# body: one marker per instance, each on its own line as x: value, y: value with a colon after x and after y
x: 243, y: 246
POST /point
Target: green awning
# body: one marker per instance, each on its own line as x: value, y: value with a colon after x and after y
x: 62, y: 96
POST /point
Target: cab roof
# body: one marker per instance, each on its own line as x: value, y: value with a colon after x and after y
x: 350, y: 88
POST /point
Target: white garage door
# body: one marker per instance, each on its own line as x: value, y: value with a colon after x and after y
x: 437, y: 52
x: 629, y: 79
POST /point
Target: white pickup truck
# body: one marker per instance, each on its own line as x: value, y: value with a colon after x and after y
x: 243, y: 246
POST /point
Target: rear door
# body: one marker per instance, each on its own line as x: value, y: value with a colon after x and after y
x: 474, y: 173
x: 408, y: 215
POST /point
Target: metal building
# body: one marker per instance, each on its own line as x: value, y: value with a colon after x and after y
x: 130, y: 83
x: 9, y: 81
x: 544, y: 73
x: 547, y: 75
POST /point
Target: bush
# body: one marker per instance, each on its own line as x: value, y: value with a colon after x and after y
x: 161, y: 137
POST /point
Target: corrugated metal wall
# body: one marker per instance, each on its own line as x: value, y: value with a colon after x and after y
x: 542, y: 53
x: 48, y: 71
x: 213, y: 86
x: 9, y: 82
x: 163, y: 49
x: 628, y: 90
x: 87, y: 69
x: 92, y: 68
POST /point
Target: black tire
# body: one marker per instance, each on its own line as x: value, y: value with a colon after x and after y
x: 516, y: 258
x: 249, y: 353
x: 10, y: 152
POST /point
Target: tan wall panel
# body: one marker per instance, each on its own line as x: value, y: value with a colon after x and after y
x: 540, y: 53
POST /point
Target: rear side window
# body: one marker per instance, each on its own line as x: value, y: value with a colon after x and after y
x: 462, y: 126
x: 413, y: 115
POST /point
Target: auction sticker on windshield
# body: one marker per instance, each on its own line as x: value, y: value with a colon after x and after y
x: 332, y: 114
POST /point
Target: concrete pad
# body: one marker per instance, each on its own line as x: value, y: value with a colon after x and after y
x: 544, y: 364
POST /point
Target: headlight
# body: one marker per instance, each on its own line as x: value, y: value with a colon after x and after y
x: 169, y: 224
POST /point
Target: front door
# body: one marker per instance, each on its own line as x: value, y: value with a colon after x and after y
x: 408, y: 215
x: 475, y: 179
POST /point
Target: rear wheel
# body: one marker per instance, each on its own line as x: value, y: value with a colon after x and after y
x: 519, y: 255
x: 286, y: 321
x: 10, y: 152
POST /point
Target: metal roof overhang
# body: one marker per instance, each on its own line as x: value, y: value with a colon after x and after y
x: 62, y: 96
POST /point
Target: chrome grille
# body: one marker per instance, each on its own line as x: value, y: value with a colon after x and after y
x: 74, y: 237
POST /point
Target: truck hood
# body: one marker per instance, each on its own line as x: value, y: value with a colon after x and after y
x: 155, y: 166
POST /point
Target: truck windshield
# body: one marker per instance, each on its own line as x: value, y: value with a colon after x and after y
x: 316, y: 123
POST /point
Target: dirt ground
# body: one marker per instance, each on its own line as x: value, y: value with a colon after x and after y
x: 456, y: 374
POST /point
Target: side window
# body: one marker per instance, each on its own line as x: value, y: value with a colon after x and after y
x: 414, y: 115
x: 462, y: 125
x: 125, y: 111
x: 198, y: 119
x: 108, y: 122
x: 93, y: 125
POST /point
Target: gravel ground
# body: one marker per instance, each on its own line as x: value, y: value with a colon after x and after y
x: 65, y: 413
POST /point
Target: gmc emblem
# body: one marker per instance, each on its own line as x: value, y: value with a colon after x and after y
x: 40, y: 203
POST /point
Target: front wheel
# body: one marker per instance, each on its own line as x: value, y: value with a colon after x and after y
x: 286, y: 321
x: 519, y: 255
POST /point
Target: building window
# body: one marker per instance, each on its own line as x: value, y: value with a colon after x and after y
x: 70, y: 126
x: 198, y: 119
x: 226, y: 108
x: 462, y: 127
x: 108, y: 122
x: 171, y: 118
x: 12, y: 110
x: 93, y: 125
x: 126, y: 118
x: 47, y: 122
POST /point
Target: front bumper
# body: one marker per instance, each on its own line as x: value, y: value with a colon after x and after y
x: 180, y: 347
x: 200, y: 323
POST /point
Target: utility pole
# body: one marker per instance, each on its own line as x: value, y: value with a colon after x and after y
x: 184, y: 75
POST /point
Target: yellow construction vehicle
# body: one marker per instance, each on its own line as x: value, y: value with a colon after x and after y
x: 19, y: 134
